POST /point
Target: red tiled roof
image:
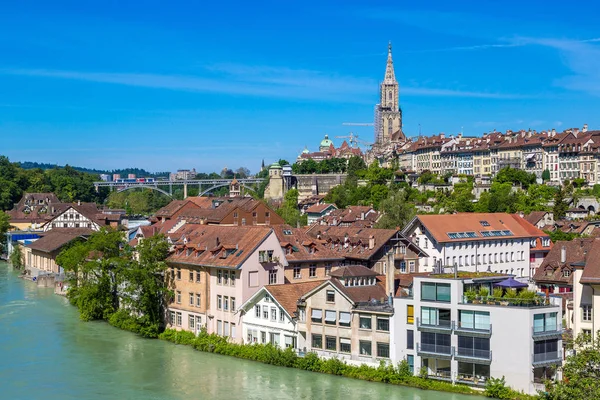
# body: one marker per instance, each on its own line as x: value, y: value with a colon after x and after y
x: 295, y: 249
x: 591, y: 272
x: 319, y: 208
x: 56, y: 238
x: 288, y: 294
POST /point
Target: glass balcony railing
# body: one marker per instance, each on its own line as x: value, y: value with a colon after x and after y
x: 548, y: 357
x: 474, y: 353
x: 445, y: 325
x: 440, y: 374
x: 435, y: 349
x: 471, y: 379
x: 540, y: 331
x: 473, y: 327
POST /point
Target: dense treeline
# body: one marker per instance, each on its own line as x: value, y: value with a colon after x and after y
x: 327, y: 166
x: 139, y: 172
x: 108, y: 280
x: 67, y: 183
x: 138, y: 202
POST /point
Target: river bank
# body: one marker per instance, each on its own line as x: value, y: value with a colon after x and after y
x: 49, y: 354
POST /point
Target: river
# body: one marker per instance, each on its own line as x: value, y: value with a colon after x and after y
x: 47, y: 353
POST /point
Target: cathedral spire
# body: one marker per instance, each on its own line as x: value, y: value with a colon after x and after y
x: 390, y: 77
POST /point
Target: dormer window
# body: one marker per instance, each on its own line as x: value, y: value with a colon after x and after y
x: 566, y: 273
x: 188, y: 252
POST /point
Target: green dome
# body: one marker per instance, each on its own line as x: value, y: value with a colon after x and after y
x: 275, y: 165
x: 305, y: 151
x: 326, y: 142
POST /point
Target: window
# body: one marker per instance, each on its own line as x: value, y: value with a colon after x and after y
x: 273, y: 314
x: 257, y: 311
x: 273, y: 277
x: 225, y: 328
x: 192, y: 322
x: 410, y: 314
x: 345, y: 345
x: 225, y: 277
x: 330, y: 317
x: 263, y: 337
x: 198, y: 302
x: 178, y: 318
x: 435, y: 291
x: 312, y: 271
x: 316, y: 315
x: 410, y: 339
x: 474, y: 347
x: 191, y: 276
x: 327, y: 269
x: 288, y: 341
x: 219, y: 302
x: 410, y: 359
x: 586, y: 312
x: 476, y: 320
x: 345, y: 318
x: 226, y: 303
x: 365, y: 348
x: 219, y: 277
x: 172, y: 317
x: 178, y: 297
x: 331, y: 296
x: 219, y: 327
x: 191, y: 299
x: 383, y: 350
x: 383, y: 324
x: 330, y: 343
x: 232, y: 278
x: 265, y: 312
x: 297, y: 273
x: 197, y: 276
x: 178, y: 274
x: 281, y: 315
x: 232, y: 330
x: 317, y: 341
x: 545, y: 322
x: 365, y: 322
x: 232, y: 304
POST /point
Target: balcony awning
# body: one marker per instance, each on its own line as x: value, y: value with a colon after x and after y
x: 317, y: 314
x: 344, y: 340
x: 344, y: 318
x: 511, y: 283
x: 330, y: 316
x: 530, y: 156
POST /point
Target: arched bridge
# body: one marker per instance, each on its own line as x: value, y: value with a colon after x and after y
x: 166, y: 186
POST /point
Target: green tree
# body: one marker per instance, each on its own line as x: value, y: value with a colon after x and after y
x: 16, y: 257
x: 289, y: 209
x: 560, y: 204
x: 546, y: 175
x: 397, y: 211
x: 580, y: 372
x: 355, y: 164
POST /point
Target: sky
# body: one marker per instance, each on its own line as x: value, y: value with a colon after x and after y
x: 206, y: 85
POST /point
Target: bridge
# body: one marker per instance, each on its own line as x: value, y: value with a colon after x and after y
x: 166, y: 186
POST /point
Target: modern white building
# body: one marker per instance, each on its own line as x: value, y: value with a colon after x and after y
x: 476, y: 242
x: 456, y: 339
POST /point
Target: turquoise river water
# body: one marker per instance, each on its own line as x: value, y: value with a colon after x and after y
x: 47, y: 353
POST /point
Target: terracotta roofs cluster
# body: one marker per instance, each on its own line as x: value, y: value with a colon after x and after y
x: 351, y: 216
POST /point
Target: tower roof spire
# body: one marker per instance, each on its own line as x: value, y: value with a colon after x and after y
x: 390, y: 77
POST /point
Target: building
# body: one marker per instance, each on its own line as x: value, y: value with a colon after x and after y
x: 317, y: 211
x: 370, y: 247
x: 351, y: 216
x: 270, y: 315
x: 388, y: 114
x: 540, y: 219
x: 214, y: 269
x: 34, y: 210
x: 438, y: 329
x: 347, y: 317
x: 40, y: 254
x: 308, y: 259
x: 84, y: 215
x: 586, y: 292
x: 183, y: 174
x: 476, y: 242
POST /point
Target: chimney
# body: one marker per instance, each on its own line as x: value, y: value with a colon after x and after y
x: 362, y: 216
x: 585, y: 128
x: 391, y: 274
x: 371, y: 242
x: 78, y: 202
x: 218, y: 242
x: 442, y: 135
x: 563, y: 255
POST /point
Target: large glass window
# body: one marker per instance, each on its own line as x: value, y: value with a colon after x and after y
x: 477, y: 320
x: 345, y: 345
x: 330, y: 343
x: 365, y: 348
x: 431, y: 291
x: 365, y: 322
x: 545, y: 322
x: 435, y: 316
x: 474, y: 347
x: 410, y: 359
x: 317, y: 341
x: 410, y: 339
x: 383, y: 350
x: 383, y: 324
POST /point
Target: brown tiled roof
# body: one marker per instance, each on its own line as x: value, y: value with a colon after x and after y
x: 287, y: 295
x: 363, y: 294
x: 57, y: 238
x: 350, y: 242
x: 591, y: 272
x: 319, y: 208
x: 352, y: 271
x: 216, y: 245
x: 535, y: 216
x: 296, y: 250
x: 440, y: 225
x: 170, y: 209
x: 552, y: 269
x: 29, y: 209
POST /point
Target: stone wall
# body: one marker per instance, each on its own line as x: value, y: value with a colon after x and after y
x: 315, y: 184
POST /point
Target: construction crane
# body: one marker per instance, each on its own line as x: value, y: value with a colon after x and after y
x: 354, y: 140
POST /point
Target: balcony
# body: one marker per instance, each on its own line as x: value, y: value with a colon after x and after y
x: 544, y: 334
x: 435, y: 350
x: 469, y: 379
x: 478, y: 330
x: 442, y: 375
x: 473, y: 355
x: 549, y: 358
x: 442, y: 326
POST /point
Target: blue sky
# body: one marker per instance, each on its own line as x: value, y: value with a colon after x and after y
x: 167, y: 85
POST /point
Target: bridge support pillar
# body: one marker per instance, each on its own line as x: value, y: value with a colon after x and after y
x: 185, y: 190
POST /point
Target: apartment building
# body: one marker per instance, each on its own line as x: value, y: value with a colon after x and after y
x: 214, y: 269
x: 457, y: 339
x: 347, y: 317
x: 476, y: 242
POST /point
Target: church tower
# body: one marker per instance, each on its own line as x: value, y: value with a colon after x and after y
x: 388, y: 115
